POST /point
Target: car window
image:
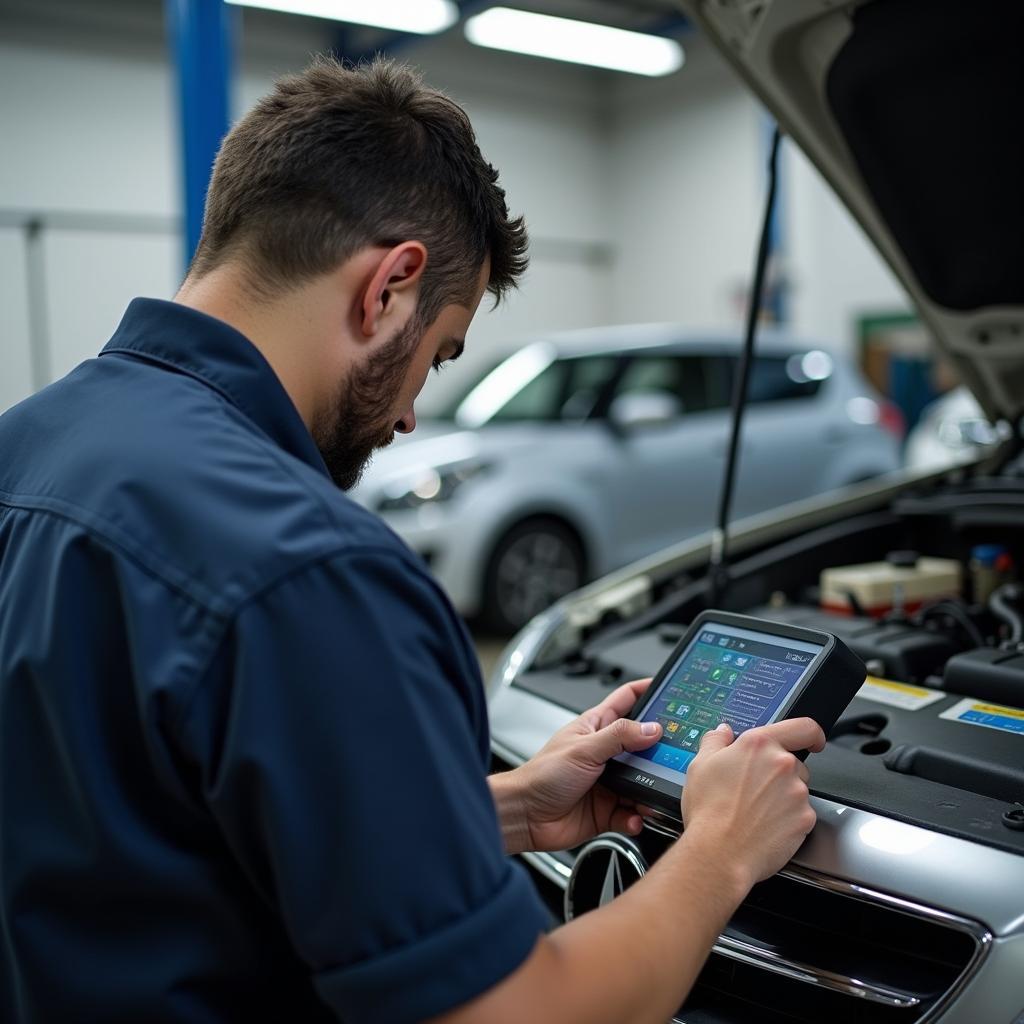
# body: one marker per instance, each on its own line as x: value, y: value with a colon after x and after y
x: 779, y: 379
x: 444, y: 392
x: 587, y: 378
x: 685, y: 377
x: 536, y: 400
x: 718, y: 381
x: 569, y: 389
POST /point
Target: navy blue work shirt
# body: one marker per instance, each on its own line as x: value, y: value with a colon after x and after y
x: 243, y: 738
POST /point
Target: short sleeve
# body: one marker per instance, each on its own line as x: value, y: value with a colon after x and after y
x: 341, y: 740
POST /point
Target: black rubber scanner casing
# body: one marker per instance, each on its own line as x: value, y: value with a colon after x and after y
x: 823, y: 695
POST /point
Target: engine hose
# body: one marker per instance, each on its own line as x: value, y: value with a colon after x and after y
x: 999, y: 604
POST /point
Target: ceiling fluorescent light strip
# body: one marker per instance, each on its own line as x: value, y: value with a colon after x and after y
x: 421, y: 16
x: 578, y: 42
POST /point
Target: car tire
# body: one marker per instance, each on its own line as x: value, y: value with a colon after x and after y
x: 534, y: 564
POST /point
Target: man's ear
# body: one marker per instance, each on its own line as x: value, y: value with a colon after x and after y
x: 392, y: 290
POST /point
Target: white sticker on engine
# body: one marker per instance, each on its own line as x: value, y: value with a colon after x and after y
x: 898, y: 695
x: 990, y: 716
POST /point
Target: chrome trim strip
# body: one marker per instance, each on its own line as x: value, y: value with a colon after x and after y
x: 745, y: 952
x: 978, y: 932
x: 663, y: 825
x: 550, y: 867
x: 510, y: 758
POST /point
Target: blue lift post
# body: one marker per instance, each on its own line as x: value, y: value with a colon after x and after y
x: 201, y: 36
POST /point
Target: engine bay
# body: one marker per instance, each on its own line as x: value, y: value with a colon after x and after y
x: 928, y: 597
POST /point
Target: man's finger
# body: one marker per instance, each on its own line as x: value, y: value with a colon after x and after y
x: 716, y: 739
x: 618, y: 703
x: 796, y: 734
x: 623, y: 735
x: 626, y: 819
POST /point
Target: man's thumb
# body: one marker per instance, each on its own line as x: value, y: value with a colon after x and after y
x: 716, y: 739
x: 623, y: 735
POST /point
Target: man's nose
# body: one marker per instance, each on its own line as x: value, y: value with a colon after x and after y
x: 406, y: 422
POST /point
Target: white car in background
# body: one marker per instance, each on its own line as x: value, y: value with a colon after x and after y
x: 587, y: 450
x: 952, y: 430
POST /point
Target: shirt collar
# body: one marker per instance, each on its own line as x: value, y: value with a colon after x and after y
x: 224, y: 359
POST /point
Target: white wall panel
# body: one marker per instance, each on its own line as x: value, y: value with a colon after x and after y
x: 687, y: 183
x: 91, y: 278
x: 90, y: 128
x: 664, y: 177
x: 837, y: 276
x: 85, y: 130
x: 15, y: 359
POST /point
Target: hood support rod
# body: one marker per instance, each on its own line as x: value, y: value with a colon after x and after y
x: 718, y: 570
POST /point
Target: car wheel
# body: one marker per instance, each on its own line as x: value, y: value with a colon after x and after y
x: 533, y: 565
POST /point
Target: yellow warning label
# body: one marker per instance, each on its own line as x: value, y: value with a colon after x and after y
x: 898, y: 695
x: 916, y: 691
x: 998, y: 709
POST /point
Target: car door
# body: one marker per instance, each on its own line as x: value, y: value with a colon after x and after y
x: 786, y: 437
x: 558, y: 448
x: 665, y: 478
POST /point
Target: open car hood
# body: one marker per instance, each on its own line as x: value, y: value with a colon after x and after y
x: 912, y: 111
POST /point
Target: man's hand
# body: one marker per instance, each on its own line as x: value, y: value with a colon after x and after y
x: 552, y: 802
x: 746, y: 810
x: 749, y: 795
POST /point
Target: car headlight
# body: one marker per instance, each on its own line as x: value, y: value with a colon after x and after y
x: 429, y: 486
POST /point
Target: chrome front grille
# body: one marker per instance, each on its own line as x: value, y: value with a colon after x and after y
x: 806, y: 948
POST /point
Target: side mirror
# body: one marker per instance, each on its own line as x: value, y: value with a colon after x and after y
x: 641, y: 410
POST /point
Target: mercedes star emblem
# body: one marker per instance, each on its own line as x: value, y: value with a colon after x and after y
x: 605, y: 868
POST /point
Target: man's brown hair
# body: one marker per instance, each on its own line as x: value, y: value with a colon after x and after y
x: 339, y: 158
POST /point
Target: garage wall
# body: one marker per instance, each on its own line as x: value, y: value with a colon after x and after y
x: 643, y: 196
x: 15, y: 355
x: 836, y: 275
x: 688, y: 157
x: 87, y: 143
x: 686, y: 193
x: 89, y: 127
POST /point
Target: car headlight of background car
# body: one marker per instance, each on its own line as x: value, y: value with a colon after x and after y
x: 429, y: 485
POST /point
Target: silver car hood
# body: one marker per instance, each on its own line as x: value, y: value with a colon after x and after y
x: 911, y: 111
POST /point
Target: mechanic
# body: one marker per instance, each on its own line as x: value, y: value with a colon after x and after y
x: 243, y: 737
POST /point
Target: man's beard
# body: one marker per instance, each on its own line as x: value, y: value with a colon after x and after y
x: 362, y: 419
